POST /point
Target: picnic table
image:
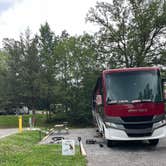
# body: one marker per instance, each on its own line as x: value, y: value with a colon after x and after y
x: 61, y: 127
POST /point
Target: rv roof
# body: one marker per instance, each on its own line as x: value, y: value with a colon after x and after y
x: 130, y: 69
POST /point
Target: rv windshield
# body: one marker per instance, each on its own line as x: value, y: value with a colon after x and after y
x: 132, y: 87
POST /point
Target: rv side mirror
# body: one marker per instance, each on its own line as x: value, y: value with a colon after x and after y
x: 99, y: 100
x: 164, y: 88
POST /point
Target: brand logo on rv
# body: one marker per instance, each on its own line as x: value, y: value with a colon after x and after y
x: 137, y: 110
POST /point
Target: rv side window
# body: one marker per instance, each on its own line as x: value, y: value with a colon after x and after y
x: 98, y: 92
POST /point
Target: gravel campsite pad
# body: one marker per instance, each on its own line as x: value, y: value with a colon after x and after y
x: 122, y: 154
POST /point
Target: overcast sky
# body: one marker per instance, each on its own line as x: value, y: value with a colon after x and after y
x: 17, y: 15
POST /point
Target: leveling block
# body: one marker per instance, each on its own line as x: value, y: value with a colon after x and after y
x: 82, y: 150
x: 92, y: 141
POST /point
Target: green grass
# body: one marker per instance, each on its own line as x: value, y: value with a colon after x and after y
x: 23, y: 150
x: 11, y: 121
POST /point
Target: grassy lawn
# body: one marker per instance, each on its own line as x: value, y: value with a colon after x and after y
x: 23, y: 150
x: 11, y: 121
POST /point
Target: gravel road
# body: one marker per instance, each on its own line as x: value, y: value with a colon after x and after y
x: 123, y: 154
x: 6, y: 132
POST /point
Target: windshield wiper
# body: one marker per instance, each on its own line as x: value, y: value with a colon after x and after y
x: 146, y: 100
x: 136, y: 101
x: 123, y: 101
x: 141, y: 101
x: 109, y: 101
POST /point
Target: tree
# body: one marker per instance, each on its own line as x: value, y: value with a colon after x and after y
x: 13, y: 85
x: 3, y: 79
x: 47, y: 42
x: 76, y: 63
x: 23, y: 70
x: 30, y: 74
x: 132, y: 32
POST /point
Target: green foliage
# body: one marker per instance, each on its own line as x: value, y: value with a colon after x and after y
x: 3, y: 78
x: 132, y: 32
x: 23, y: 70
x: 47, y: 42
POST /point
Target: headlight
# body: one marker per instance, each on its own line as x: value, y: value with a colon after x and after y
x: 113, y: 125
x: 108, y: 124
x: 159, y: 124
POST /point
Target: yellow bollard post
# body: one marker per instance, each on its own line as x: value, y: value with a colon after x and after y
x: 20, y: 124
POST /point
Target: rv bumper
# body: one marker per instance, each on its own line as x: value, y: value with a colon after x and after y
x: 116, y: 134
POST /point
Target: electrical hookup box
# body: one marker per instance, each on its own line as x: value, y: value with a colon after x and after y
x: 68, y: 147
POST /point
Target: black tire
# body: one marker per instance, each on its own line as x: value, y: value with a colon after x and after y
x: 110, y: 143
x: 153, y: 142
